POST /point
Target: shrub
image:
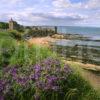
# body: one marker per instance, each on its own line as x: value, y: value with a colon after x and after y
x: 33, y: 81
x: 49, y: 79
x: 4, y: 25
x: 7, y: 48
x: 36, y: 32
x: 15, y: 34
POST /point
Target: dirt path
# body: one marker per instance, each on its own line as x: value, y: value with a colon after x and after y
x: 93, y: 78
x: 90, y: 75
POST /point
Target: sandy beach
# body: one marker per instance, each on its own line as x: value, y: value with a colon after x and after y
x: 41, y: 40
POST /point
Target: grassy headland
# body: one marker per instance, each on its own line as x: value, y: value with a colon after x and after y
x: 35, y: 72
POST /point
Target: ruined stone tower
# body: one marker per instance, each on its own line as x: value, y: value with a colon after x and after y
x: 11, y: 24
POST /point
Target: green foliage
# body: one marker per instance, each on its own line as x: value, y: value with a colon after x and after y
x: 7, y: 45
x: 32, y: 82
x: 15, y: 34
x: 5, y: 35
x: 83, y: 89
x: 25, y: 55
x: 7, y: 48
x: 18, y: 27
x: 19, y: 55
x: 21, y: 29
x: 39, y: 32
x: 4, y: 25
x: 12, y: 53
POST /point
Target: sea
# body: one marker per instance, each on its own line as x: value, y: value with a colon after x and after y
x: 87, y: 51
x: 92, y: 32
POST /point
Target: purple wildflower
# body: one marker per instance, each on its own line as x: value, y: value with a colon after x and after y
x: 57, y: 70
x: 37, y: 68
x: 67, y: 70
x: 22, y: 81
x: 32, y: 77
x: 2, y: 85
x: 14, y: 71
x: 52, y: 79
x: 37, y: 76
x: 45, y: 76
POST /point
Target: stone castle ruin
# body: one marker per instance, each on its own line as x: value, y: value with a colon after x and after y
x: 11, y: 24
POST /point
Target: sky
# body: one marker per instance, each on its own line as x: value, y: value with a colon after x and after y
x: 51, y: 12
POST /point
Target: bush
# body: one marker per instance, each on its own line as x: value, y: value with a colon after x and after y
x: 7, y: 48
x: 4, y: 25
x: 39, y: 32
x: 45, y: 77
x: 15, y: 34
x: 49, y: 79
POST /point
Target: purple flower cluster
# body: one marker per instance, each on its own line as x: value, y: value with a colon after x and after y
x: 44, y: 76
x: 49, y: 73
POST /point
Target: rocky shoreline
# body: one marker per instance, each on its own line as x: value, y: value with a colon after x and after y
x: 45, y: 41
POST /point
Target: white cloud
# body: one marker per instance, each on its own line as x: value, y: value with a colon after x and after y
x: 68, y: 15
x: 61, y: 3
x: 66, y: 4
x: 93, y: 4
x: 28, y: 17
x: 89, y: 4
x: 10, y: 1
x: 59, y: 12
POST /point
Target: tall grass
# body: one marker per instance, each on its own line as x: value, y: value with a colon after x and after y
x: 13, y: 52
x: 7, y: 48
x: 5, y: 35
x: 26, y: 56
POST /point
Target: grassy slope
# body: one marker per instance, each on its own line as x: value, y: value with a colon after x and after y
x: 92, y: 78
x: 5, y: 36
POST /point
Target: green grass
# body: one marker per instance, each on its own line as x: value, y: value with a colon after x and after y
x: 15, y: 52
x: 5, y: 35
x: 84, y: 89
x: 26, y: 56
x: 94, y: 91
x: 7, y: 47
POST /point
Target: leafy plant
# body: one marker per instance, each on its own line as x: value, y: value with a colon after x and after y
x: 42, y: 77
x: 7, y: 48
x: 15, y: 34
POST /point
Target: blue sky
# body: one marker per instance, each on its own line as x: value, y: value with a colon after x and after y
x: 52, y: 12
